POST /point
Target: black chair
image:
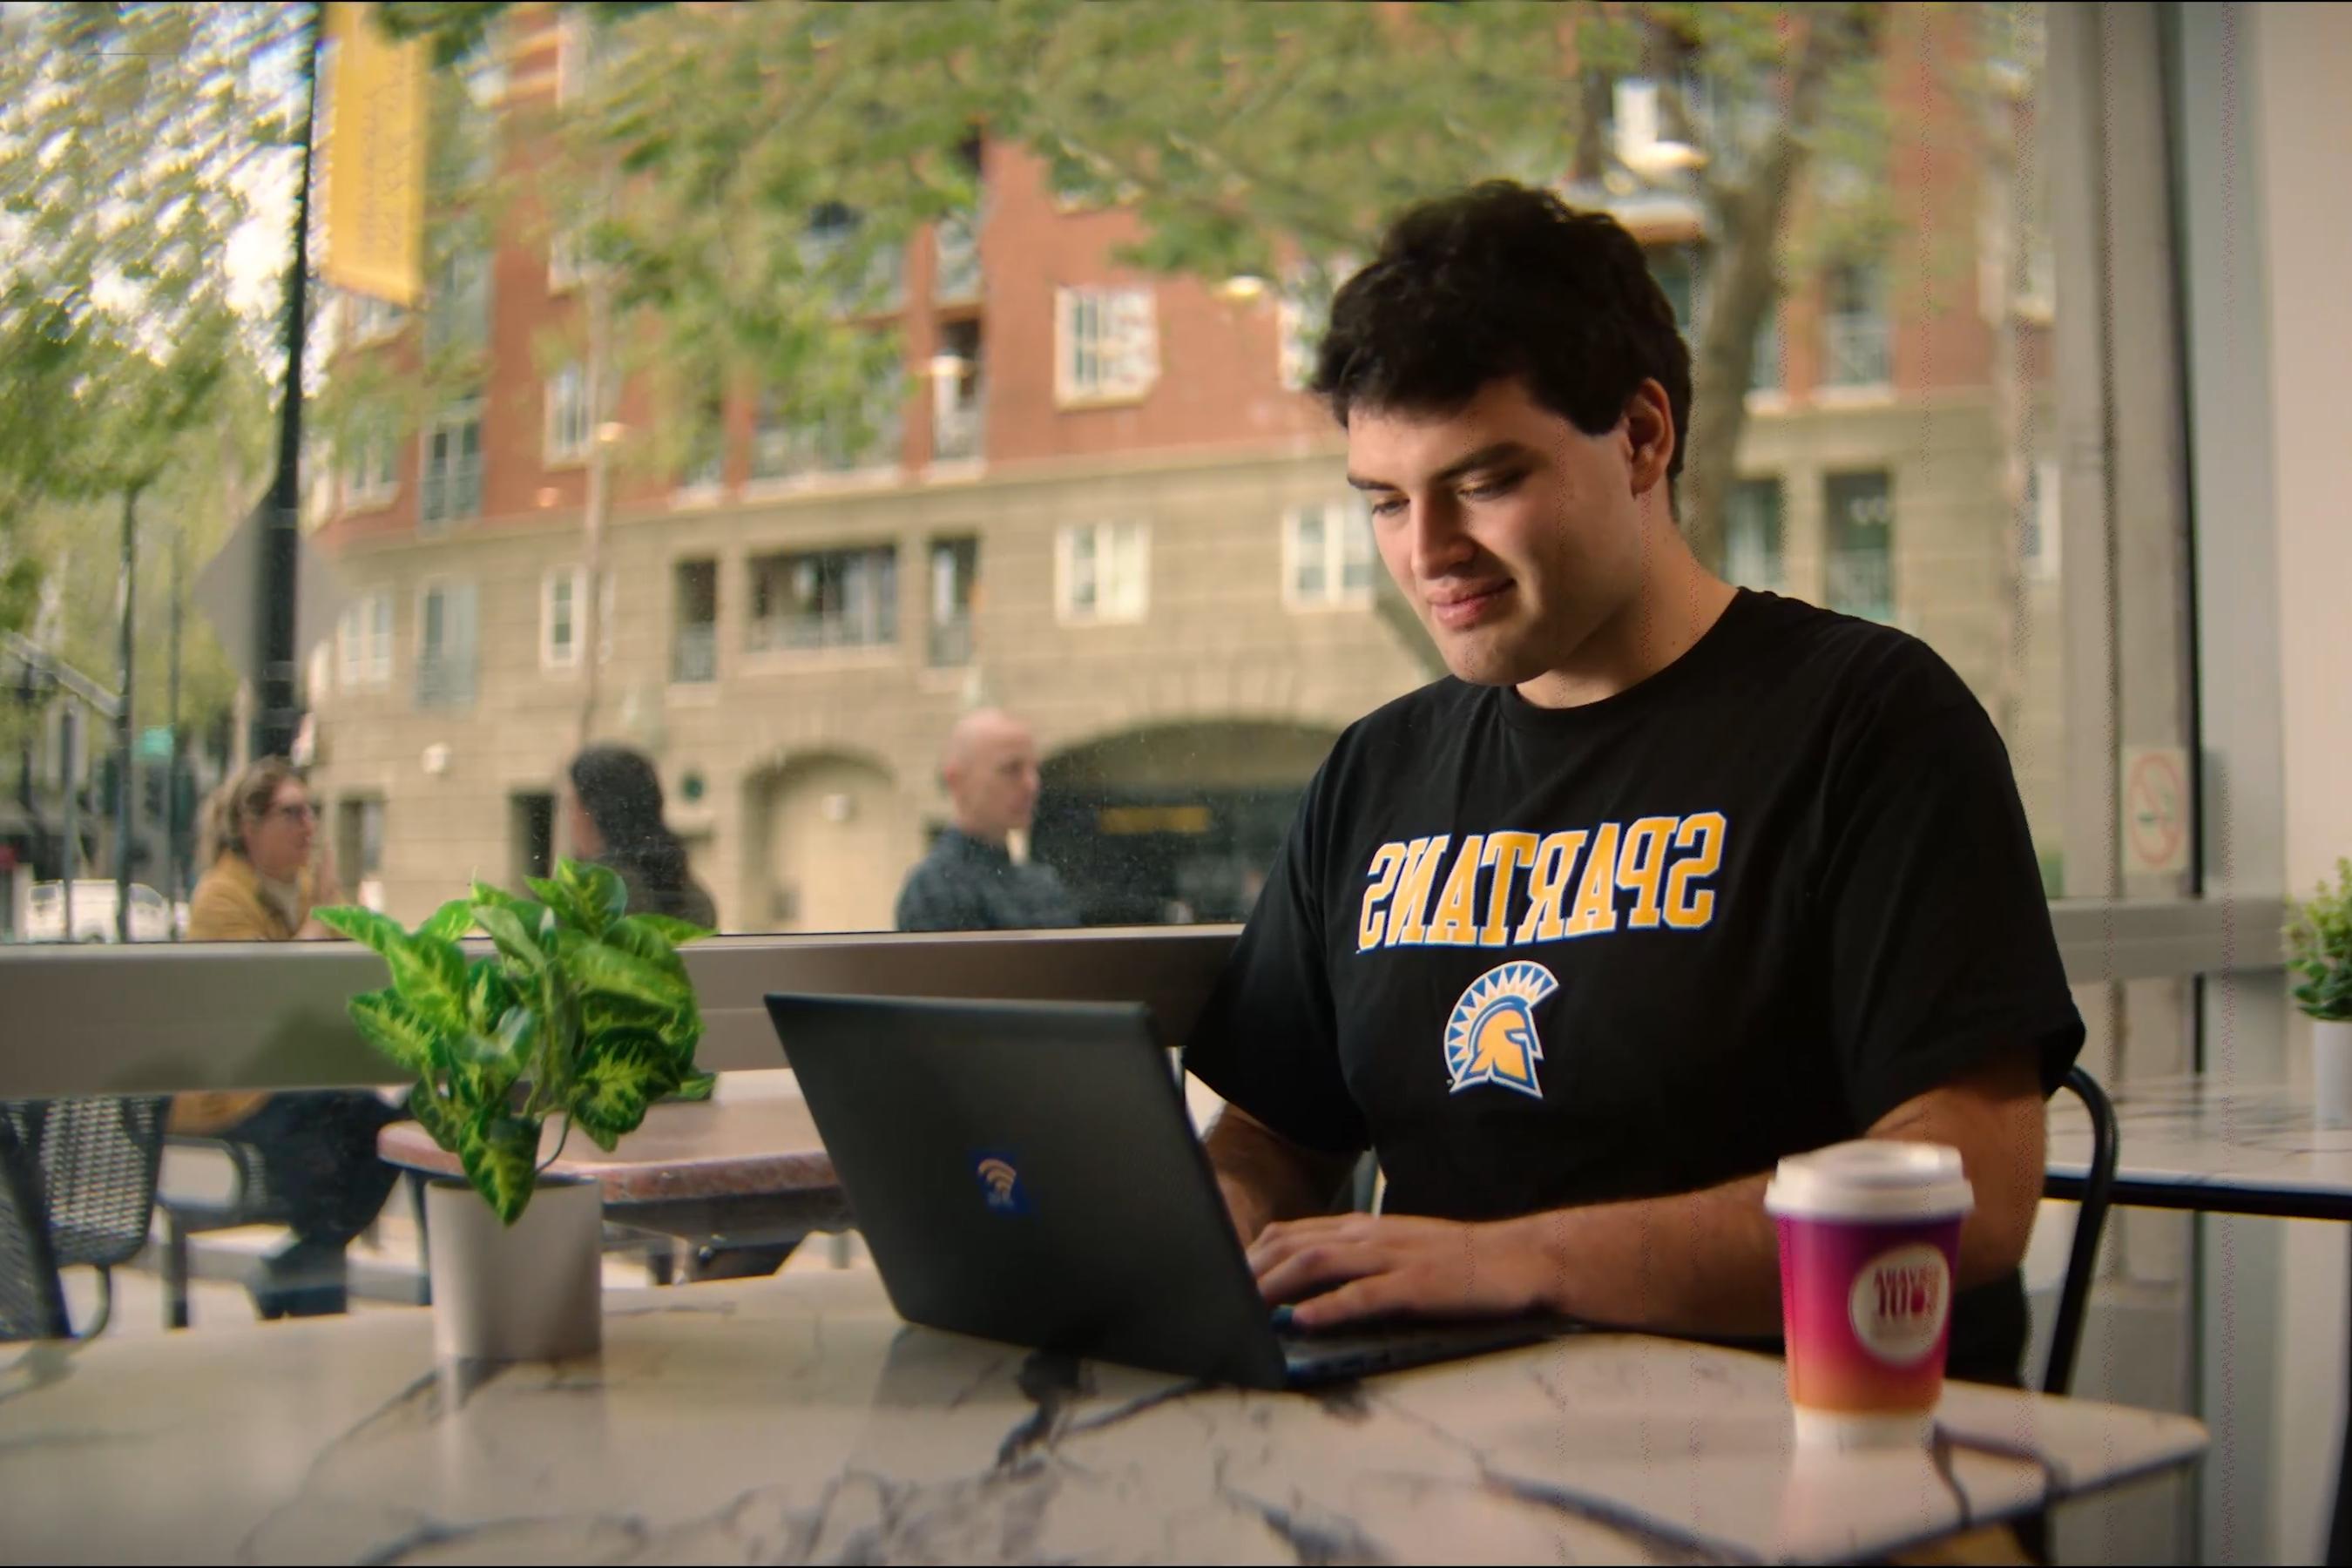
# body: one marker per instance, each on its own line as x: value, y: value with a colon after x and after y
x: 77, y: 1191
x: 2090, y: 1223
x: 250, y: 1201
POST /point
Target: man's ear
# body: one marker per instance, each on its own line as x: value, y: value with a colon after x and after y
x: 1651, y: 436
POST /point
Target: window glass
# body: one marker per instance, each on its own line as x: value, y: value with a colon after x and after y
x: 904, y: 419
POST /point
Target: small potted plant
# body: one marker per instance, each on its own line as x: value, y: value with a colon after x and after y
x: 2319, y: 949
x: 582, y: 1012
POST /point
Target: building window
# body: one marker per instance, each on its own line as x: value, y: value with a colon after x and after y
x: 1860, y: 511
x: 373, y: 320
x: 705, y: 467
x: 1767, y: 364
x: 452, y: 484
x: 1856, y: 352
x: 1106, y: 345
x: 364, y: 642
x: 444, y: 645
x: 457, y: 310
x: 694, y: 647
x: 833, y: 235
x: 825, y: 598
x: 567, y: 258
x: 558, y: 618
x: 1677, y: 271
x: 1751, y: 535
x: 359, y: 849
x: 836, y: 440
x: 370, y: 472
x: 2037, y: 548
x: 956, y: 394
x: 567, y: 416
x: 1104, y: 571
x: 955, y: 585
x: 1328, y: 557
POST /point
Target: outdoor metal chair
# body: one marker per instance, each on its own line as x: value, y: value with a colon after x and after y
x: 77, y: 1191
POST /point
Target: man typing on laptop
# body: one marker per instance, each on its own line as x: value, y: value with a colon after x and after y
x: 1669, y: 880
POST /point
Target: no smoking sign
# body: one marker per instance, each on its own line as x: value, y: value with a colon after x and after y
x: 2155, y: 810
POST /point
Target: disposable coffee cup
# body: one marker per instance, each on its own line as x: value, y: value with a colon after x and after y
x: 1870, y: 1241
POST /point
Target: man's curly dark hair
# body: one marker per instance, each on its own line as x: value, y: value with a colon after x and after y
x: 1500, y: 280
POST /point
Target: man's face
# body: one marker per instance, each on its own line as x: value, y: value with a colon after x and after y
x: 995, y: 782
x: 1514, y: 535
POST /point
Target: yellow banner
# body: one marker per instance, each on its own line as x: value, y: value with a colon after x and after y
x: 374, y: 164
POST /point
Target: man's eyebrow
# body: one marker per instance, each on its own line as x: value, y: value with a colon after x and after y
x: 1485, y: 456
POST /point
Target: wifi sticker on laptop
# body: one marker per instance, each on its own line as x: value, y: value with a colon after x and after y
x: 1000, y: 1184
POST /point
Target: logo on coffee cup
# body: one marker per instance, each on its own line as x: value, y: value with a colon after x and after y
x: 1899, y: 1302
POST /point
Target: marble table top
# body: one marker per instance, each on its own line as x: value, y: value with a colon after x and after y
x: 2208, y: 1143
x: 798, y: 1420
x: 712, y: 1149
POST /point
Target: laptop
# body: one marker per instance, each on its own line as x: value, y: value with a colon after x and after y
x: 1026, y: 1171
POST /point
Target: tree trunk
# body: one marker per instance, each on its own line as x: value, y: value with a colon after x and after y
x: 599, y: 505
x: 1742, y: 277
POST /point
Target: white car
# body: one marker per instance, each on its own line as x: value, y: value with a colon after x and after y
x: 93, y: 912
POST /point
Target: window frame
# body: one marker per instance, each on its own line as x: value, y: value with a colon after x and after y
x: 1082, y: 327
x: 1355, y: 520
x: 1134, y: 608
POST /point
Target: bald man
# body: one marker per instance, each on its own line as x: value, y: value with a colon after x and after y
x: 967, y: 882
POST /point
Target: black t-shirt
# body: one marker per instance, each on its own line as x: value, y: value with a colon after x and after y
x: 1544, y: 957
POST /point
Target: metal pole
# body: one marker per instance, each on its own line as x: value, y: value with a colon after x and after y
x: 172, y: 779
x: 125, y: 764
x: 69, y: 738
x: 276, y: 713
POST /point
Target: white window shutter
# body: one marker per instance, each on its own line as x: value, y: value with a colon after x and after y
x: 1134, y: 342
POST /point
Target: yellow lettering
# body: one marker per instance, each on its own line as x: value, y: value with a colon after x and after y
x: 1506, y: 852
x: 1596, y: 903
x: 1548, y: 885
x: 1408, y: 909
x: 1457, y: 924
x: 1689, y: 908
x: 1640, y: 866
x: 1386, y: 862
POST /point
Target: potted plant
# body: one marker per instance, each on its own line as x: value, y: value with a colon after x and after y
x: 2319, y: 949
x: 582, y: 1012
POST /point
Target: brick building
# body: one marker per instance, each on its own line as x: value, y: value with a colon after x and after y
x: 1101, y: 504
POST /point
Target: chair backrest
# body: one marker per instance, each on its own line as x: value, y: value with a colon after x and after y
x: 32, y: 1304
x: 2090, y: 1222
x: 79, y: 1176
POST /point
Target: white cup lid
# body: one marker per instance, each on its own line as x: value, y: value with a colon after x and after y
x: 1871, y: 1178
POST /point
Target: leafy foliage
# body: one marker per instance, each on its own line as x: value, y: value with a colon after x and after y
x: 2319, y: 948
x: 585, y: 1012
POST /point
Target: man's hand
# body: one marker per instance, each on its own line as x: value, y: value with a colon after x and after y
x: 1342, y: 1267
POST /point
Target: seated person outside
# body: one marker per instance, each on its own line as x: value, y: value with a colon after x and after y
x: 316, y: 1146
x: 1668, y: 881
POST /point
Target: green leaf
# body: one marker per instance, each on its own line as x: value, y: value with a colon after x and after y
x: 602, y: 895
x: 696, y: 1087
x: 500, y: 1152
x: 482, y: 1068
x: 597, y: 967
x: 562, y: 900
x: 438, y: 1115
x: 617, y: 1082
x: 513, y: 938
x: 382, y: 932
x: 499, y: 898
x: 450, y: 922
x: 398, y: 1030
x: 676, y: 933
x: 637, y: 935
x: 430, y: 974
x: 488, y: 994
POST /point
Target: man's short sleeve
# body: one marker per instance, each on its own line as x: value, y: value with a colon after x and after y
x: 1940, y: 951
x: 1268, y: 1041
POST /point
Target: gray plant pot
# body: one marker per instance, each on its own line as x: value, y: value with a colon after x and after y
x: 529, y: 1291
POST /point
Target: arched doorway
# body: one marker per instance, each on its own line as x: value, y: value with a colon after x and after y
x: 1174, y: 823
x: 834, y: 836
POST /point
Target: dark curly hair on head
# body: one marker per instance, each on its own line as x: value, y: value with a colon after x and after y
x: 1501, y: 280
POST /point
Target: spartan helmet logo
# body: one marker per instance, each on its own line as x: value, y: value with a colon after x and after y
x: 1492, y: 1037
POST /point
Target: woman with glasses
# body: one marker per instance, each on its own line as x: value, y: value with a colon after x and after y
x: 316, y: 1146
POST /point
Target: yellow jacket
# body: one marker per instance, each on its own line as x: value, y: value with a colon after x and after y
x: 228, y: 905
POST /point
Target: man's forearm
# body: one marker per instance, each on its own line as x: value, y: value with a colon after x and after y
x: 1701, y: 1263
x: 1265, y: 1178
